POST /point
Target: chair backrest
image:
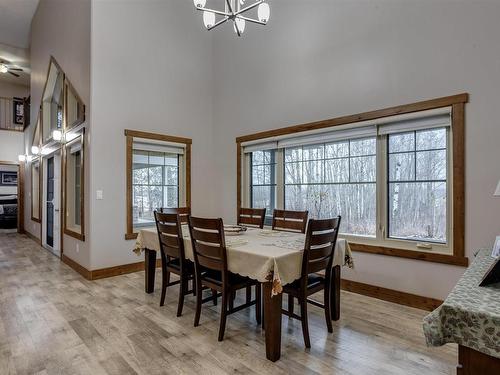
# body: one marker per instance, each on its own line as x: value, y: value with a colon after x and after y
x: 321, y: 238
x: 170, y: 236
x: 252, y: 216
x: 183, y: 212
x: 293, y: 221
x: 209, y: 245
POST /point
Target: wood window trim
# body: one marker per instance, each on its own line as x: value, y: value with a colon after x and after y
x: 130, y: 135
x: 79, y: 236
x: 68, y: 87
x: 39, y: 161
x: 457, y: 104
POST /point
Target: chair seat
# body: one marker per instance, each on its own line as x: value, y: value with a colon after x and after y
x: 235, y: 281
x: 313, y: 280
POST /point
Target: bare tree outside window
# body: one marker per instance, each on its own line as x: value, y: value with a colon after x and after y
x: 263, y: 180
x: 155, y: 184
x: 417, y: 179
x: 334, y: 179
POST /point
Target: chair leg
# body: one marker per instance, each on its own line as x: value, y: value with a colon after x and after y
x: 290, y: 304
x: 258, y: 304
x: 249, y: 294
x: 305, y: 323
x: 214, y: 296
x: 328, y: 314
x: 223, y: 315
x: 194, y: 287
x: 182, y: 291
x: 165, y: 280
x: 198, y: 302
x: 232, y: 297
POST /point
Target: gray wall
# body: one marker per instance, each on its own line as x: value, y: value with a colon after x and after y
x: 61, y: 29
x: 322, y: 59
x: 151, y: 71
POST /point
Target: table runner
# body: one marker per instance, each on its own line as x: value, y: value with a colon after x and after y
x: 260, y: 254
x: 470, y: 315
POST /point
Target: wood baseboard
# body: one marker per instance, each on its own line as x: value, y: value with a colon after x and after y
x: 106, y: 272
x: 77, y: 267
x: 391, y: 295
x: 34, y: 238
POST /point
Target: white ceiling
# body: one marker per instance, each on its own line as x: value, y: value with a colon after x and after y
x: 15, y: 26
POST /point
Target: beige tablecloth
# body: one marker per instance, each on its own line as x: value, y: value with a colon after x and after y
x: 260, y: 254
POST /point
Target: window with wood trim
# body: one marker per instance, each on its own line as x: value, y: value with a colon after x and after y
x: 158, y: 176
x: 391, y: 175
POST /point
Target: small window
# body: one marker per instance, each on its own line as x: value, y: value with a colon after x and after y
x: 157, y: 176
x: 73, y: 188
x: 263, y: 180
x: 417, y: 185
x: 155, y: 184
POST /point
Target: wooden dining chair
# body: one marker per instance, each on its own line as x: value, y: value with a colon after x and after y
x: 252, y: 217
x: 210, y: 262
x: 173, y: 259
x: 183, y: 212
x: 292, y: 221
x: 319, y: 251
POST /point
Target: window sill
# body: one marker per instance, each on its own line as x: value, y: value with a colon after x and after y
x: 411, y: 254
x: 73, y: 234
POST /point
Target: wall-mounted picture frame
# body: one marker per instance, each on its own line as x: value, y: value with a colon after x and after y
x: 8, y: 178
x: 18, y: 111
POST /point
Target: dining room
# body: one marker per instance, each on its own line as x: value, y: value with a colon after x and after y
x: 254, y: 186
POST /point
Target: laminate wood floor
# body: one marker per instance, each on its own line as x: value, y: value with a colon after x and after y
x: 53, y: 321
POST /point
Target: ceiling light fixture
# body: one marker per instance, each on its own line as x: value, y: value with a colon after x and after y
x: 233, y: 11
x: 3, y: 68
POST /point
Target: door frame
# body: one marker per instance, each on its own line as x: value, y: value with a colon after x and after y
x: 20, y: 193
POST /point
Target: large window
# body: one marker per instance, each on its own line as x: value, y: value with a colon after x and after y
x: 392, y: 177
x: 155, y: 184
x: 158, y: 168
x: 334, y: 179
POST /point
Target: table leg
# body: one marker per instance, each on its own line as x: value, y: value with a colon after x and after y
x: 335, y: 293
x: 272, y: 322
x: 150, y: 268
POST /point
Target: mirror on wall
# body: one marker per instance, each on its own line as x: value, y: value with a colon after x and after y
x: 74, y: 187
x: 35, y: 190
x: 52, y: 102
x: 75, y: 109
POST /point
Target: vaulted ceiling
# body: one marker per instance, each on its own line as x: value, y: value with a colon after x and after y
x: 15, y: 26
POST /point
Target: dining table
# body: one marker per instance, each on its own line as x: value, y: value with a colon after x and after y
x: 270, y: 256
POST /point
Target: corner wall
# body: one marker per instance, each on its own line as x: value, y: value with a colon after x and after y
x: 323, y: 59
x: 151, y: 71
x: 61, y: 29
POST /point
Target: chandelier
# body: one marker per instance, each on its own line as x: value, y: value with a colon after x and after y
x: 233, y: 11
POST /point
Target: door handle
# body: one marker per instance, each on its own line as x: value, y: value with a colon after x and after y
x: 56, y: 209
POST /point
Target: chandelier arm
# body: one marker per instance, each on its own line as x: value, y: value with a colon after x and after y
x: 229, y: 7
x: 237, y: 27
x: 248, y: 7
x: 220, y: 22
x: 252, y: 20
x: 214, y: 11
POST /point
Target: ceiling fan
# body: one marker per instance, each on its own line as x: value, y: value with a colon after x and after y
x: 5, y: 68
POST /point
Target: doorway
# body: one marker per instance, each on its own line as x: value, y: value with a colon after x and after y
x: 51, y: 205
x: 11, y: 201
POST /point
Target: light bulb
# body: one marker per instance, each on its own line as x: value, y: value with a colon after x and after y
x: 263, y: 12
x: 57, y: 135
x: 3, y: 68
x: 208, y: 19
x: 21, y: 158
x: 241, y: 25
x: 35, y: 150
x: 199, y: 3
